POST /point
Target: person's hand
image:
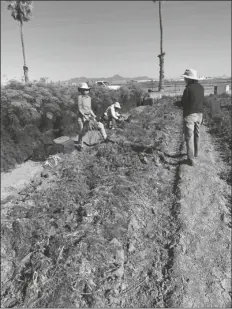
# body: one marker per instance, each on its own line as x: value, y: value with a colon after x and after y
x: 86, y: 118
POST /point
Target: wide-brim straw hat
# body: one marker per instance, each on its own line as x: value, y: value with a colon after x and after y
x: 191, y: 74
x: 117, y: 105
x: 84, y: 86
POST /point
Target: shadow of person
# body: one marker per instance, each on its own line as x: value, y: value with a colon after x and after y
x: 184, y: 162
x: 175, y: 163
x: 177, y: 155
x: 181, y: 162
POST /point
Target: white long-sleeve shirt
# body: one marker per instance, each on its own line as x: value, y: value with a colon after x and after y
x: 84, y: 105
x: 111, y: 112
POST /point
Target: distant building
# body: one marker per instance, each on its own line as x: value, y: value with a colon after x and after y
x: 45, y: 80
x: 144, y: 80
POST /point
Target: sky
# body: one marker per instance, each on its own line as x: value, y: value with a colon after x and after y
x: 67, y: 39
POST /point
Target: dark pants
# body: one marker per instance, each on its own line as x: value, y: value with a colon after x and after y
x: 111, y: 122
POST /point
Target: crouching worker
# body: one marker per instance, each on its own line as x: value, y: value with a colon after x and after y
x: 86, y: 117
x: 192, y: 103
x: 112, y: 115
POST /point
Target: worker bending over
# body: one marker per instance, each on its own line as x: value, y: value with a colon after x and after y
x: 112, y: 115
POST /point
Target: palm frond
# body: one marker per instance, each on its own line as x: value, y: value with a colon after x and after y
x: 21, y: 10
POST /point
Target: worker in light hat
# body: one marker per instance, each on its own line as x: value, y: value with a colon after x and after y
x: 87, y: 118
x: 112, y: 114
x: 192, y: 103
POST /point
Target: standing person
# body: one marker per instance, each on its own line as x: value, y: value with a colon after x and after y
x: 192, y: 102
x: 86, y: 117
x: 112, y: 115
x: 147, y: 99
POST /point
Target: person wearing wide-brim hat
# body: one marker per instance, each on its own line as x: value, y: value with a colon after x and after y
x: 192, y: 102
x: 112, y: 115
x: 86, y: 117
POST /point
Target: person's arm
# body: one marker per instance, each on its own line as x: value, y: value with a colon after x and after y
x: 184, y: 98
x: 202, y: 121
x: 113, y: 113
x: 79, y: 104
x: 106, y: 112
x: 92, y: 113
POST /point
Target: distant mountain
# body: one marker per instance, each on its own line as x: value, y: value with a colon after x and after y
x: 221, y: 77
x: 110, y: 79
x: 117, y: 77
x: 224, y: 77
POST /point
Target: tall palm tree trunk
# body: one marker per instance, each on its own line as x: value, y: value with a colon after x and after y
x: 25, y: 68
x: 162, y: 54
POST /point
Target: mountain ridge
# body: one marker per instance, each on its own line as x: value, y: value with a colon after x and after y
x: 116, y: 77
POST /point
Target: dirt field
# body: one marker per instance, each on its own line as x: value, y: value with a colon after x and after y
x: 202, y: 263
x: 165, y: 240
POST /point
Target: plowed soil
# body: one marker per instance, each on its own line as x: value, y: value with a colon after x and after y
x: 151, y: 232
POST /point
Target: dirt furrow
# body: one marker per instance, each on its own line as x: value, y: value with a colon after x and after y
x: 174, y: 212
x: 160, y: 237
x: 202, y: 265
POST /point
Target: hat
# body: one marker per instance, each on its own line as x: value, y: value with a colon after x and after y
x: 117, y: 105
x: 83, y: 86
x: 191, y: 74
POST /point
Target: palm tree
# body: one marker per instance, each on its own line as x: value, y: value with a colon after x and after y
x: 162, y: 54
x: 21, y: 11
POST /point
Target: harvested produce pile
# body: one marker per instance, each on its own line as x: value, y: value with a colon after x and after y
x: 97, y: 230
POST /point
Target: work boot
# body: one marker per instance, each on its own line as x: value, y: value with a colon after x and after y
x: 191, y: 162
x: 79, y: 147
x: 107, y: 140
